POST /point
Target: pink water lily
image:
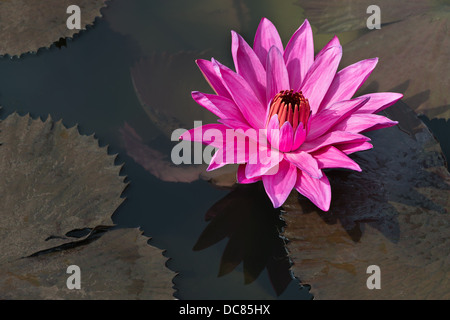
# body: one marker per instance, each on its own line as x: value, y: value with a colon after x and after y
x: 301, y: 103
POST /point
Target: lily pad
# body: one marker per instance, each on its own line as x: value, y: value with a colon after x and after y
x: 118, y: 265
x: 332, y: 16
x: 394, y: 214
x: 414, y: 63
x: 27, y: 25
x: 59, y: 190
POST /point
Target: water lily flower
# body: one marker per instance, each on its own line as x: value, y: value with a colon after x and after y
x: 304, y: 107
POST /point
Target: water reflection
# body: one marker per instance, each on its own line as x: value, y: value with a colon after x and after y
x: 247, y: 218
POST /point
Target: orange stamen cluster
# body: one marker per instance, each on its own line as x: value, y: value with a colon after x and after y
x: 290, y: 106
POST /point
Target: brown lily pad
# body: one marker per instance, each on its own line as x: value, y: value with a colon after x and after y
x: 414, y: 63
x: 332, y: 16
x: 28, y: 25
x: 59, y: 190
x: 54, y: 181
x: 394, y: 214
x: 118, y: 265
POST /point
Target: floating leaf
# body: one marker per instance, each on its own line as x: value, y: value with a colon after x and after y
x: 394, y: 214
x: 118, y: 265
x: 53, y: 181
x: 418, y: 68
x: 58, y: 191
x: 332, y: 16
x: 27, y: 25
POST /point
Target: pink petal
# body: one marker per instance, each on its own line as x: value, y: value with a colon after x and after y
x: 305, y: 162
x: 249, y: 66
x: 348, y: 81
x: 241, y: 151
x: 266, y: 36
x: 273, y: 132
x: 379, y: 101
x: 277, y: 74
x: 241, y: 178
x: 243, y: 96
x: 217, y: 161
x: 320, y: 75
x: 236, y: 124
x: 280, y: 185
x: 332, y: 138
x: 213, y: 133
x: 213, y: 77
x: 349, y: 148
x: 299, y: 136
x: 316, y: 190
x: 260, y: 164
x: 286, y: 137
x: 299, y: 54
x: 361, y: 122
x: 334, y: 42
x: 331, y: 157
x: 222, y: 107
x: 323, y: 121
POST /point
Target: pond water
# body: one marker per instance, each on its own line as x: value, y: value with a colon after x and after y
x: 88, y: 82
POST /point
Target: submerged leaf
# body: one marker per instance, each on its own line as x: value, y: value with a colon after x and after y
x: 163, y: 84
x: 27, y: 25
x: 160, y: 165
x: 58, y: 191
x: 394, y: 214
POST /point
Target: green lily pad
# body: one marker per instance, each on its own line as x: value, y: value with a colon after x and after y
x: 28, y: 25
x: 394, y: 214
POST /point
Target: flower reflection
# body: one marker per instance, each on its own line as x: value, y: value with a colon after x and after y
x: 247, y: 217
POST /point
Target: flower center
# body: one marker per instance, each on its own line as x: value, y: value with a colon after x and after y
x: 290, y: 106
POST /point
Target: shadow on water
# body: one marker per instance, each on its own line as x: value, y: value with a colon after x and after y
x: 247, y: 218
